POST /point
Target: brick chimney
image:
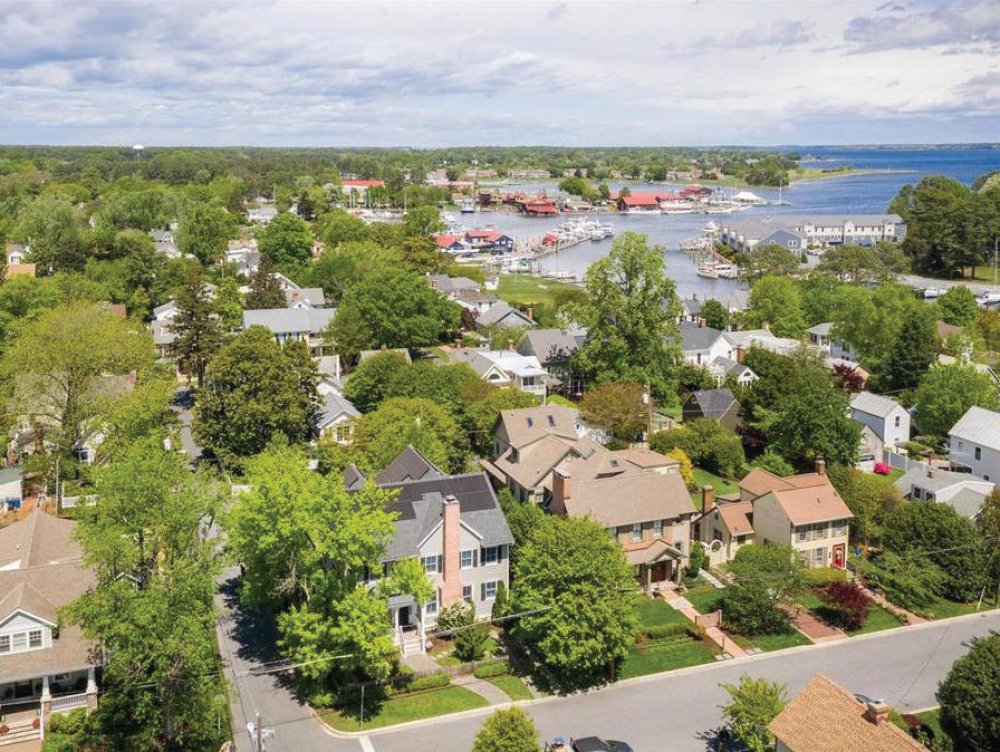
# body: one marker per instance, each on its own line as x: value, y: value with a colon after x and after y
x: 707, y: 498
x: 531, y: 313
x: 876, y: 712
x: 451, y: 550
x: 702, y: 323
x: 931, y: 471
x: 820, y: 466
x: 560, y: 490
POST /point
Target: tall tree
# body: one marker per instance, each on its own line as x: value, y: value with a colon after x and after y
x: 970, y: 696
x: 912, y: 353
x: 369, y: 383
x: 573, y: 588
x: 958, y: 306
x: 770, y: 260
x: 229, y: 303
x: 753, y: 704
x: 53, y: 231
x: 196, y: 327
x: 265, y: 289
x: 252, y: 392
x: 811, y: 420
x: 286, y: 240
x: 381, y: 435
x: 204, y: 232
x: 508, y: 730
x: 61, y: 369
x: 776, y: 302
x: 715, y: 314
x: 619, y: 407
x: 423, y: 222
x: 948, y: 391
x: 630, y: 314
x: 988, y: 524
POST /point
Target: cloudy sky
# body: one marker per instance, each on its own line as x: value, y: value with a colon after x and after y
x: 426, y: 74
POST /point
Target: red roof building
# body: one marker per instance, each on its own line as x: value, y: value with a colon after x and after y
x: 362, y: 184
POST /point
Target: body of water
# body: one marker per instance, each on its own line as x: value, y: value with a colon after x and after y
x: 851, y: 194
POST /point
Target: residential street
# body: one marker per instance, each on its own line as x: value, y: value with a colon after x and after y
x: 674, y: 712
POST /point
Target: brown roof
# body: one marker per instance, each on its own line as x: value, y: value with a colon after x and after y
x: 20, y: 270
x: 736, y: 516
x: 39, y: 540
x: 819, y: 504
x: 825, y: 717
x: 649, y: 551
x: 759, y: 481
x: 536, y: 460
x: 645, y: 458
x: 628, y: 498
x: 529, y: 424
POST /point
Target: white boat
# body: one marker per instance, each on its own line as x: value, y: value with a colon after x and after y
x: 468, y: 206
x: 727, y: 271
x: 708, y: 272
x: 930, y: 293
x: 676, y: 207
x: 746, y: 197
x: 988, y: 298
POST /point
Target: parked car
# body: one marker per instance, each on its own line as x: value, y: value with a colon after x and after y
x: 594, y: 744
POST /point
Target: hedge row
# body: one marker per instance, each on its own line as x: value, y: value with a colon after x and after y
x: 432, y: 681
x: 662, y: 631
x: 492, y: 669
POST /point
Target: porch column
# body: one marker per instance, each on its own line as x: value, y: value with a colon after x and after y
x: 420, y: 627
x: 46, y: 703
x: 91, y: 690
x: 649, y: 578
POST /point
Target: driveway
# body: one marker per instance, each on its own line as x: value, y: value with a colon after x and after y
x: 677, y: 712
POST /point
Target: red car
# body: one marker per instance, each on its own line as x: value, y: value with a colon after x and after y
x: 882, y: 468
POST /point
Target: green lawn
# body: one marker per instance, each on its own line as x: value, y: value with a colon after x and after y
x: 515, y: 688
x: 666, y: 655
x: 558, y: 399
x: 654, y: 611
x: 404, y: 708
x: 944, y: 609
x: 704, y: 598
x: 520, y: 288
x: 894, y: 475
x: 878, y: 619
x: 719, y: 485
x: 779, y: 641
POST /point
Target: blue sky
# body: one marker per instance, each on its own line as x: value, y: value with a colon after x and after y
x: 565, y: 73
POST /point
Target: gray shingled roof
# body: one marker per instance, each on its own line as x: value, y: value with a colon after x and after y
x: 419, y: 508
x: 694, y: 337
x: 499, y: 311
x: 409, y: 465
x: 284, y: 320
x: 552, y: 345
x: 873, y: 404
x: 333, y: 407
x: 980, y: 426
x: 354, y: 479
x: 713, y: 402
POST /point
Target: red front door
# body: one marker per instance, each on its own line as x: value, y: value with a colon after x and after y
x: 839, y: 556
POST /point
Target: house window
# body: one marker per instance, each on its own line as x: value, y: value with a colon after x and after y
x: 978, y: 453
x: 432, y: 607
x: 34, y: 639
x: 431, y: 564
x: 19, y: 642
x: 819, y: 557
x: 343, y: 432
x: 467, y: 593
x: 468, y: 559
x: 657, y: 528
x: 897, y: 421
x: 4, y: 643
x: 488, y: 590
x: 491, y: 555
x: 636, y: 533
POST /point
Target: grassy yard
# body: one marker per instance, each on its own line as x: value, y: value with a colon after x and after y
x: 719, y: 485
x: 520, y: 288
x: 512, y: 685
x: 666, y: 655
x: 654, y: 612
x: 769, y: 642
x: 944, y: 609
x: 894, y: 475
x: 404, y: 708
x: 878, y: 619
x: 704, y: 598
x: 558, y: 399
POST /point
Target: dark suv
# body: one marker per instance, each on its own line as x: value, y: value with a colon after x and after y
x: 593, y: 744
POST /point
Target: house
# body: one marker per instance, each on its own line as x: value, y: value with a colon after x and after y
x: 455, y: 526
x: 798, y: 233
x: 825, y: 717
x: 46, y: 665
x: 554, y: 349
x: 742, y: 341
x: 887, y: 418
x: 503, y: 368
x: 163, y: 242
x: 802, y: 511
x: 963, y: 491
x: 336, y: 418
x: 360, y: 187
x: 701, y: 344
x: 452, y: 287
x: 871, y: 449
x: 539, y: 207
x: 451, y: 243
x: 476, y: 300
x: 16, y: 254
x: 305, y: 297
x: 647, y: 509
x: 723, y: 526
x: 489, y: 240
x: 328, y: 371
x: 974, y: 443
x: 820, y: 337
x: 727, y: 368
x: 293, y: 324
x: 718, y: 404
x: 11, y: 488
x: 503, y: 315
x: 640, y: 203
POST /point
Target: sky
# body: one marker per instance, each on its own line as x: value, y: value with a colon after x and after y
x: 423, y: 74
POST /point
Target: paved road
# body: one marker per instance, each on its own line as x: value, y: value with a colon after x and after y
x: 976, y: 285
x: 675, y: 713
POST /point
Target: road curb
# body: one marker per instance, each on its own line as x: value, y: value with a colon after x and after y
x: 701, y: 668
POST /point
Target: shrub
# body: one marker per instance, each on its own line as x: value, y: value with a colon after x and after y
x: 501, y: 604
x: 848, y: 605
x: 751, y: 610
x: 454, y: 617
x: 697, y: 561
x: 697, y: 632
x: 471, y: 643
x: 432, y: 681
x: 500, y: 668
x: 825, y: 575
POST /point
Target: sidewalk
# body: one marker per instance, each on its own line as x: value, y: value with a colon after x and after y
x: 813, y: 629
x: 892, y: 607
x: 716, y: 635
x: 493, y: 695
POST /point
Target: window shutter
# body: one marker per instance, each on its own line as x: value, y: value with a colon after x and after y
x: 440, y: 559
x: 475, y: 557
x: 482, y: 591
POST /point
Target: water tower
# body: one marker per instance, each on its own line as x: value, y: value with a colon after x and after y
x: 138, y: 150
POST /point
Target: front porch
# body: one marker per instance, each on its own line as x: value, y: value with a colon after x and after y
x: 408, y: 624
x: 658, y: 565
x: 26, y: 706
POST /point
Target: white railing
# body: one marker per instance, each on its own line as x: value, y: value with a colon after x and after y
x: 62, y: 703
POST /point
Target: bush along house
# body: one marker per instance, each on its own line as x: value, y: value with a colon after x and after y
x: 454, y: 525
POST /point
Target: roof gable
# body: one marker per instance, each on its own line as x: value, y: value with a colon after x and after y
x: 980, y: 426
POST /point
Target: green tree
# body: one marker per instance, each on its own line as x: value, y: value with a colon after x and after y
x: 970, y: 696
x: 947, y: 392
x: 229, y: 303
x: 395, y: 308
x: 870, y: 321
x: 911, y: 582
x: 196, y: 327
x: 265, y: 289
x: 380, y: 436
x: 630, y: 313
x: 53, y: 231
x: 423, y: 222
x: 715, y: 314
x: 950, y: 541
x: 774, y: 463
x: 507, y: 730
x: 204, y: 232
x: 776, y: 301
x: 252, y: 392
x: 286, y: 240
x: 988, y: 524
x: 483, y: 414
x: 142, y: 413
x: 707, y: 443
x: 811, y: 420
x: 338, y: 227
x: 770, y: 260
x: 754, y: 703
x: 60, y: 369
x: 501, y: 605
x: 859, y: 265
x: 868, y: 497
x: 573, y: 588
x: 618, y: 407
x: 939, y: 224
x: 958, y: 306
x: 368, y: 385
x: 911, y: 355
x: 764, y: 577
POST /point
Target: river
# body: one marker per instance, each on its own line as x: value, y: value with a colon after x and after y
x: 850, y: 194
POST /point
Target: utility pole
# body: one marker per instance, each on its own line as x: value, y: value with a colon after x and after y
x: 260, y: 734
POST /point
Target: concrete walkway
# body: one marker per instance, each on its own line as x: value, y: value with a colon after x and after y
x: 420, y: 662
x: 808, y: 625
x: 715, y: 634
x: 902, y: 613
x: 492, y: 694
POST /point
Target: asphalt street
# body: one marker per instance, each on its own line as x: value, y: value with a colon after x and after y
x: 666, y: 713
